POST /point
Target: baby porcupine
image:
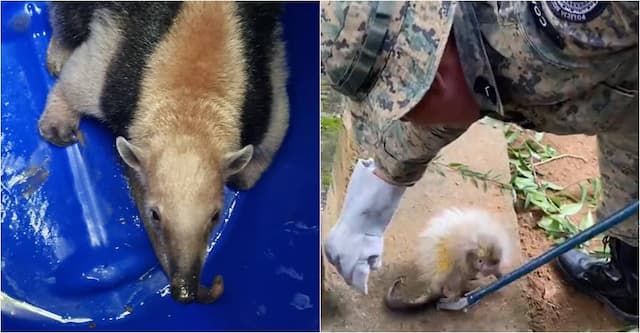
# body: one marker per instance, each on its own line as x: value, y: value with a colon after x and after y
x: 455, y: 247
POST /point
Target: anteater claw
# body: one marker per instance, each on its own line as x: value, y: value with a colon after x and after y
x: 210, y: 295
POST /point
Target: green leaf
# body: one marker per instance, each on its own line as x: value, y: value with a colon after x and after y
x: 597, y: 185
x: 559, y: 240
x: 583, y: 194
x: 545, y: 222
x: 524, y: 183
x: 523, y: 170
x: 527, y: 201
x: 534, y: 146
x: 538, y: 136
x: 516, y: 157
x: 572, y: 228
x: 551, y: 225
x: 549, y: 151
x: 570, y: 209
x: 527, y: 174
x: 587, y: 221
x: 536, y: 156
x: 556, y: 199
x: 540, y: 200
x: 455, y: 165
x: 511, y: 136
x: 552, y: 186
x: 542, y: 204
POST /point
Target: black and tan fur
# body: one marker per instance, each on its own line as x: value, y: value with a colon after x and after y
x: 194, y: 91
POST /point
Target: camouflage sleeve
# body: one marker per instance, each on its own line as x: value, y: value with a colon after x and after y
x: 603, y: 109
x: 405, y: 149
x: 401, y: 150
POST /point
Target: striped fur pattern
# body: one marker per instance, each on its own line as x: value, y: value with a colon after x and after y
x: 195, y: 93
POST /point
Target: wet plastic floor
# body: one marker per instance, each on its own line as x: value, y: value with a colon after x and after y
x: 74, y: 252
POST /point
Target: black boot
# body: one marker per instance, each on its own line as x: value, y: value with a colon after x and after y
x: 615, y: 283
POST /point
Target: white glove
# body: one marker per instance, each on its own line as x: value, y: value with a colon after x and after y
x: 355, y: 244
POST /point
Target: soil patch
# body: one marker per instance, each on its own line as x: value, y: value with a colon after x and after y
x: 553, y: 304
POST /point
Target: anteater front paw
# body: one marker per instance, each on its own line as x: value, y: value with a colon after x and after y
x: 59, y: 122
x: 59, y: 131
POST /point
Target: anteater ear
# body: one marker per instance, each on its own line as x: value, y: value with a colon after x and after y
x: 236, y: 161
x: 131, y: 154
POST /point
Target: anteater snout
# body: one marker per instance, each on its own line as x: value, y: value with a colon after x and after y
x: 184, y: 289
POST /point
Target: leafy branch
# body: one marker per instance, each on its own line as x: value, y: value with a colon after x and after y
x: 475, y: 177
x: 556, y: 204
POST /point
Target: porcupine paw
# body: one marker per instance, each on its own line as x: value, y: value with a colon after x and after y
x: 449, y: 295
x: 474, y: 285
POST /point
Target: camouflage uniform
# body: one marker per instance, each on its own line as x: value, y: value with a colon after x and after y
x: 558, y: 67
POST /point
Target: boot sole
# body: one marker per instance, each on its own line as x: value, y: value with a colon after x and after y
x: 631, y: 319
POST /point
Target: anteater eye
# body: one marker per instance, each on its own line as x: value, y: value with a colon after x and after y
x: 155, y: 216
x: 215, y: 217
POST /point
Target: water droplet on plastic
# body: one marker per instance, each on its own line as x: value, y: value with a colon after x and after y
x: 301, y: 301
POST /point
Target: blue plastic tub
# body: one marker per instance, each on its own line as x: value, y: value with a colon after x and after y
x: 74, y: 253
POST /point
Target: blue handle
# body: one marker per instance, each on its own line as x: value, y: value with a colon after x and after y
x: 546, y: 257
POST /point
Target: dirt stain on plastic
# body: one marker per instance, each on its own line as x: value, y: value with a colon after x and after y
x: 80, y: 138
x: 33, y: 179
x: 20, y: 22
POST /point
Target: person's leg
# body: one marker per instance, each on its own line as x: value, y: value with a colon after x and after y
x: 613, y: 282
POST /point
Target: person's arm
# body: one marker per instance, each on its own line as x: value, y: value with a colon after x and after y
x: 402, y: 151
x: 449, y: 102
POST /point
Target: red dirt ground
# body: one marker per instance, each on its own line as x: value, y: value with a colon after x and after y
x: 553, y: 304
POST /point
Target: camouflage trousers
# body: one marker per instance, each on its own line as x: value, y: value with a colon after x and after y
x: 403, y: 151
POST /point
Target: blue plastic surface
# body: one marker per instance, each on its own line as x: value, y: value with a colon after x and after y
x: 74, y: 253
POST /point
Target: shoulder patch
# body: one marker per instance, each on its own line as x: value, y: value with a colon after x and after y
x: 577, y: 11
